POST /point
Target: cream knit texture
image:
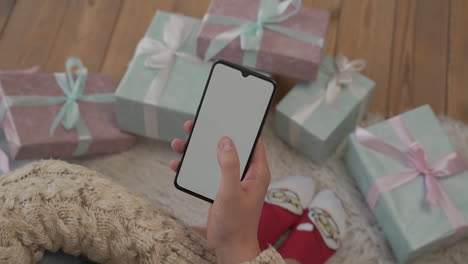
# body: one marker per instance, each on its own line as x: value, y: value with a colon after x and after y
x: 268, y: 256
x: 52, y: 205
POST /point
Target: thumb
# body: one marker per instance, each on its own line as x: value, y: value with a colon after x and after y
x: 229, y: 164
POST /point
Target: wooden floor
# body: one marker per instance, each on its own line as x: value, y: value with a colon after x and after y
x: 417, y: 50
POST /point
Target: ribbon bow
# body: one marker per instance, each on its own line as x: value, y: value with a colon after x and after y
x: 341, y: 77
x: 69, y: 114
x: 251, y: 32
x: 73, y: 88
x: 415, y: 158
x: 162, y: 54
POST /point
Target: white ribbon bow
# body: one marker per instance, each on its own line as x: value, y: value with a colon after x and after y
x: 176, y: 32
x: 341, y: 78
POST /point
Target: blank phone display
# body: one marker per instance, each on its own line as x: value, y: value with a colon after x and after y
x: 233, y: 106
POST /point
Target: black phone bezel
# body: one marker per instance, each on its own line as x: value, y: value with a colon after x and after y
x: 245, y: 73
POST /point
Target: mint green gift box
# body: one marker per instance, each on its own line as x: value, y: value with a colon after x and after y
x: 319, y: 133
x: 160, y: 114
x: 412, y: 227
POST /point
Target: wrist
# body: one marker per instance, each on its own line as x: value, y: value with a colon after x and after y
x: 237, y: 253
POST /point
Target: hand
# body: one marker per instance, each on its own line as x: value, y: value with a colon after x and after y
x: 233, y: 217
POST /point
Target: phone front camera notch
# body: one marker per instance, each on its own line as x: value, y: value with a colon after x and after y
x: 245, y: 74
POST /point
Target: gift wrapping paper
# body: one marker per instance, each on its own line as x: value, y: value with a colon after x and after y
x: 282, y: 53
x: 161, y: 114
x: 12, y: 164
x: 28, y: 128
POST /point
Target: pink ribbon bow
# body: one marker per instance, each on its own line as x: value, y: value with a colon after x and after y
x: 415, y: 159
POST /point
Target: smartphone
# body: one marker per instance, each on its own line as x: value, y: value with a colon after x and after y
x: 235, y: 103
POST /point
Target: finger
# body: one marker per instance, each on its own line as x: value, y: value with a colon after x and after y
x: 258, y: 176
x: 174, y: 165
x: 178, y: 145
x: 188, y: 125
x: 229, y: 164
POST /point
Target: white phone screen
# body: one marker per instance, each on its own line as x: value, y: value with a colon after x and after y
x: 233, y: 106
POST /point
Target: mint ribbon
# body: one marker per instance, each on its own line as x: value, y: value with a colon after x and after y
x: 69, y: 114
x: 251, y: 32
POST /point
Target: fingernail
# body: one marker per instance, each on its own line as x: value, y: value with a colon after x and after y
x: 225, y: 144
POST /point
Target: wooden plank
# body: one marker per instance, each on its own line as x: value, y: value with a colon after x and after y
x: 192, y: 8
x: 85, y: 33
x: 131, y: 26
x: 365, y: 31
x: 31, y: 30
x: 5, y: 9
x: 419, y: 68
x: 401, y: 81
x: 285, y: 84
x: 457, y: 104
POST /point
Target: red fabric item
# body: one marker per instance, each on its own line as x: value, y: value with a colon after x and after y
x: 306, y: 246
x: 274, y: 222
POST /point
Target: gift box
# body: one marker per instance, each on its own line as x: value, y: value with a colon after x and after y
x: 316, y: 117
x: 60, y: 115
x: 165, y: 80
x: 6, y: 164
x: 413, y: 181
x: 273, y: 36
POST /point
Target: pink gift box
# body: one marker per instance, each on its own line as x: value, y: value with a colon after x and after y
x: 27, y: 127
x: 278, y: 53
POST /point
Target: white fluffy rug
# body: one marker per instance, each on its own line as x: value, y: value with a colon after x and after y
x: 144, y: 169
